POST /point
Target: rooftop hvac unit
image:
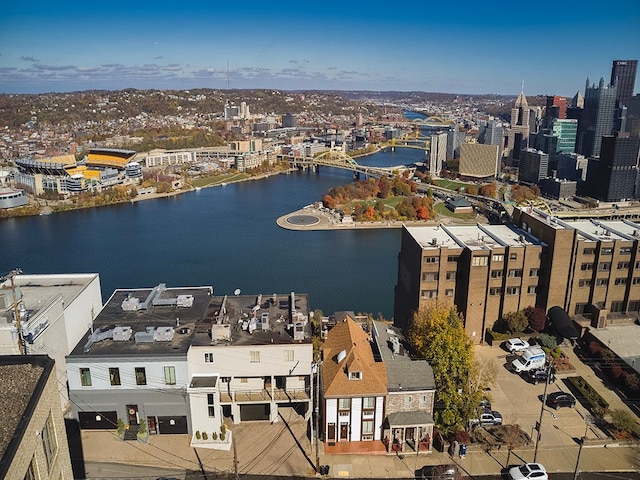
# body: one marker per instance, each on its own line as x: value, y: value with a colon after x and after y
x: 122, y: 334
x: 185, y: 301
x: 163, y: 334
x: 146, y: 336
x: 298, y: 330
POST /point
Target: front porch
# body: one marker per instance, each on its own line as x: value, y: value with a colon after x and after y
x: 375, y: 447
x: 408, y: 433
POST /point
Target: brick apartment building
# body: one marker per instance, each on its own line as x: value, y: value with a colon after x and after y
x: 589, y: 268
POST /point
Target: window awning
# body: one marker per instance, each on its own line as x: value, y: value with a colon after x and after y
x: 562, y: 324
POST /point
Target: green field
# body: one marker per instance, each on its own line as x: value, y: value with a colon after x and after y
x: 218, y: 179
x: 450, y: 184
x: 441, y: 209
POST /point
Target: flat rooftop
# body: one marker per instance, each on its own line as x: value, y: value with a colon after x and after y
x: 256, y: 320
x: 146, y: 321
x: 623, y: 340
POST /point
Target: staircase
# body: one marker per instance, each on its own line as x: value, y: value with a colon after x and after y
x: 131, y: 433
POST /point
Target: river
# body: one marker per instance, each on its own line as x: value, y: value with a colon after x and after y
x: 226, y: 237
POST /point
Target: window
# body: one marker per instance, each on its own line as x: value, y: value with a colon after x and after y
x: 496, y: 273
x: 211, y: 405
x: 634, y: 305
x: 621, y: 281
x: 429, y: 293
x: 31, y: 471
x: 170, y: 375
x: 244, y: 380
x: 408, y: 400
x: 448, y: 292
x: 225, y: 379
x: 429, y: 277
x: 85, y: 377
x: 369, y: 403
x: 430, y: 259
x: 498, y: 257
x: 532, y: 289
x: 607, y: 251
x: 423, y: 401
x: 601, y: 282
x: 584, y: 282
x: 208, y: 357
x: 288, y: 355
x: 114, y: 376
x: 635, y: 280
x: 589, y: 251
x: 513, y: 256
x: 586, y: 266
x: 355, y: 375
x: 637, y: 264
x: 480, y: 261
x: 255, y: 356
x: 623, y: 265
x: 367, y: 427
x: 451, y: 275
x: 141, y: 376
x: 344, y: 404
x: 495, y: 291
x: 604, y: 266
x: 617, y: 307
x: 581, y: 308
x: 452, y: 258
x: 49, y: 441
x: 515, y: 273
x: 534, y: 272
x: 513, y: 290
x: 625, y: 250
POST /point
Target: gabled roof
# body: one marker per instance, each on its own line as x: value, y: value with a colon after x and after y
x: 348, y: 337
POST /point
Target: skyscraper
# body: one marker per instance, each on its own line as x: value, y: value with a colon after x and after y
x: 534, y: 165
x: 623, y: 75
x: 612, y: 177
x: 518, y: 133
x: 598, y: 117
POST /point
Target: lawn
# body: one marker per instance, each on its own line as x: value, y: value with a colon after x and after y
x: 441, y: 209
x: 217, y: 179
x: 451, y: 184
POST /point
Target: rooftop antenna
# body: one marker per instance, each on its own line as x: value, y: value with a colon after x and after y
x: 522, y: 86
x: 227, y: 74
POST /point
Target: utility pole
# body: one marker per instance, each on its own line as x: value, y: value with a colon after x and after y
x: 235, y: 456
x: 16, y: 311
x: 588, y: 420
x: 317, y: 414
x: 544, y: 399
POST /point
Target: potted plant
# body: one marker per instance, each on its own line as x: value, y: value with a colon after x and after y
x: 143, y: 432
x: 120, y: 429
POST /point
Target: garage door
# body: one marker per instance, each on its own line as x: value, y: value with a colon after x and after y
x: 98, y: 420
x: 254, y: 412
x: 172, y: 424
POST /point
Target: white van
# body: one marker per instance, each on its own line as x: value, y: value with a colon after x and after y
x: 532, y: 357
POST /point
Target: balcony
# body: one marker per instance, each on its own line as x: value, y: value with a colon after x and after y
x: 264, y: 395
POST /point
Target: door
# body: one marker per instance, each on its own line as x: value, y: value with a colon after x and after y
x: 151, y: 423
x: 331, y: 432
x: 344, y: 432
x: 132, y: 413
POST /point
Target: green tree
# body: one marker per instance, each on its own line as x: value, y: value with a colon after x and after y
x: 512, y: 322
x: 437, y: 334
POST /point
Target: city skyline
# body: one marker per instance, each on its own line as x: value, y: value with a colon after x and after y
x: 457, y: 48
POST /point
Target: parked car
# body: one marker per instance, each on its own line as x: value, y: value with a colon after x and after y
x: 487, y: 418
x: 440, y: 472
x: 485, y: 404
x: 538, y: 375
x: 528, y: 471
x: 561, y: 399
x: 516, y: 344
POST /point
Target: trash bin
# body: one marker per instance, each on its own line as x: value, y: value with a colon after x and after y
x: 463, y: 450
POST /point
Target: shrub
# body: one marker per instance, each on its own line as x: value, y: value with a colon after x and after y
x: 623, y: 420
x: 198, y: 436
x: 223, y: 429
x: 461, y: 436
x: 205, y: 436
x: 632, y: 381
x: 142, y: 430
x: 556, y: 353
x: 515, y: 321
x: 222, y: 435
x: 594, y: 348
x: 214, y: 436
x: 548, y: 341
x: 616, y: 371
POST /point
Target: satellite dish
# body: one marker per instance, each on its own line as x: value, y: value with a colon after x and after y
x: 236, y: 292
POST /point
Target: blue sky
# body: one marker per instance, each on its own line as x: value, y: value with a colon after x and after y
x: 433, y: 46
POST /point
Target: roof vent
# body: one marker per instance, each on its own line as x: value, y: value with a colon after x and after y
x: 342, y: 355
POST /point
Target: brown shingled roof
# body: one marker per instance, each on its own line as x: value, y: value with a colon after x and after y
x: 349, y: 337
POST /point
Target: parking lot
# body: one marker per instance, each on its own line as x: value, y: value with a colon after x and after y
x: 520, y: 401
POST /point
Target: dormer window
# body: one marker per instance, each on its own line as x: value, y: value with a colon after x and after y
x: 355, y: 375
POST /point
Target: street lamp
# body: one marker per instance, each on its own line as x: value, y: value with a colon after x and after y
x: 588, y: 420
x: 544, y: 399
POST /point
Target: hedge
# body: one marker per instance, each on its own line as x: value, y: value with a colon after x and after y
x: 588, y: 393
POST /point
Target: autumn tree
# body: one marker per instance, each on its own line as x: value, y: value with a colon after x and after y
x: 329, y: 202
x: 436, y: 333
x: 536, y: 317
x: 471, y: 190
x: 488, y: 190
